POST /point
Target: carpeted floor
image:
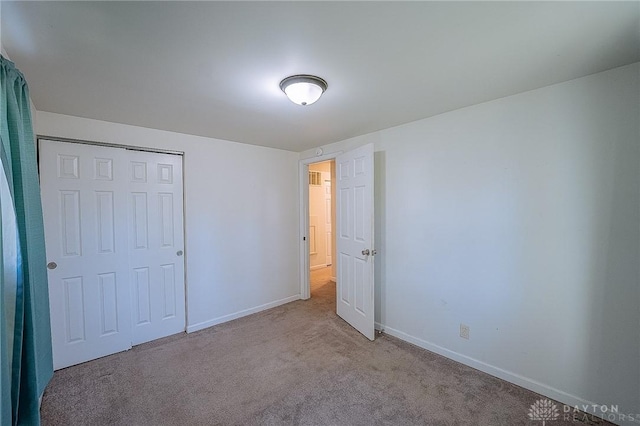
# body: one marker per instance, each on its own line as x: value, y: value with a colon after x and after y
x: 297, y: 364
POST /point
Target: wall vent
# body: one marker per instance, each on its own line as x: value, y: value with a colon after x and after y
x: 315, y: 178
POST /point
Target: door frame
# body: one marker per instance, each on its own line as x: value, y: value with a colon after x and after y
x: 39, y: 137
x: 303, y: 179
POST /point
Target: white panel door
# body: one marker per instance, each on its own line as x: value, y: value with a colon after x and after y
x: 355, y: 239
x: 114, y: 238
x: 84, y: 190
x: 156, y: 244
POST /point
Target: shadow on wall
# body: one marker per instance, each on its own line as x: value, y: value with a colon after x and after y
x: 379, y: 165
x: 611, y: 254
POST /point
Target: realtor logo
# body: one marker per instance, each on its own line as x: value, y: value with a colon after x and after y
x: 543, y: 410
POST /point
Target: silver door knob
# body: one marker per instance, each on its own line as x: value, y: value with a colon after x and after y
x: 365, y: 252
x: 179, y: 252
x: 52, y: 265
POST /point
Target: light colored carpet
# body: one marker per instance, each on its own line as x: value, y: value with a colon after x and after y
x: 297, y: 364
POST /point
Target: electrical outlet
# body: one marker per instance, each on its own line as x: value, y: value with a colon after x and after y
x: 464, y: 331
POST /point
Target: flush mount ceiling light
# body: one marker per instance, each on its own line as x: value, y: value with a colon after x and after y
x: 303, y: 89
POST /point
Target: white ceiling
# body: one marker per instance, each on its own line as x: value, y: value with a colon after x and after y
x: 213, y: 68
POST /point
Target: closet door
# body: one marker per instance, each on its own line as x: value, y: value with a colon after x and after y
x: 113, y: 223
x: 84, y: 198
x: 156, y: 244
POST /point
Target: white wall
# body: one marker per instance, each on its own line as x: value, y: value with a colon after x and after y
x: 520, y: 218
x: 241, y: 215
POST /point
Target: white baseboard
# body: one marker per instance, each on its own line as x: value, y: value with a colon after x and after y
x: 525, y: 382
x: 240, y: 314
x: 317, y: 267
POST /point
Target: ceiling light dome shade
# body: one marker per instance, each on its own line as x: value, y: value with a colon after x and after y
x: 303, y: 89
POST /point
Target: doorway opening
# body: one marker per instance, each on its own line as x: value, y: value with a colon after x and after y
x: 321, y: 221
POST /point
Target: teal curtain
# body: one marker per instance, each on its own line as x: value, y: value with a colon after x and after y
x: 25, y: 344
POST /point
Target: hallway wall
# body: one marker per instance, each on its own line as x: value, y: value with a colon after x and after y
x: 320, y: 218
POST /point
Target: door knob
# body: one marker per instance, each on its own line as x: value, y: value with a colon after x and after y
x: 179, y: 252
x: 365, y: 252
x: 52, y: 265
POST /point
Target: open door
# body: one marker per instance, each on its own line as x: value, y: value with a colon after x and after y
x: 355, y: 238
